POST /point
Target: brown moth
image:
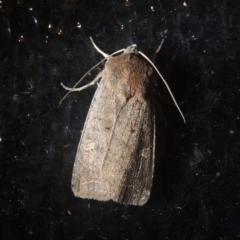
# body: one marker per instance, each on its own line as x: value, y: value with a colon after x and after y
x: 115, y: 156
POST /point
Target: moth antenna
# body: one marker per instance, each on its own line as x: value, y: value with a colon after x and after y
x: 103, y: 53
x: 98, y: 49
x: 121, y: 50
x: 164, y: 81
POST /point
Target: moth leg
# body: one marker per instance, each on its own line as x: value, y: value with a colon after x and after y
x: 85, y: 86
x: 155, y: 54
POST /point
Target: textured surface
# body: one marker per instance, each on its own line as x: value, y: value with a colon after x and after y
x: 195, y: 192
x: 115, y: 157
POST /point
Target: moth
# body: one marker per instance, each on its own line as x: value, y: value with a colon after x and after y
x: 115, y: 156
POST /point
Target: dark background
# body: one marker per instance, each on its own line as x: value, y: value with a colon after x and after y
x: 195, y: 192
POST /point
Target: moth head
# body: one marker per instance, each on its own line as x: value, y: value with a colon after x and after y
x: 131, y: 49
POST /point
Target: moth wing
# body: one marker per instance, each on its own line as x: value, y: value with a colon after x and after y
x: 129, y: 162
x: 115, y: 156
x: 87, y: 179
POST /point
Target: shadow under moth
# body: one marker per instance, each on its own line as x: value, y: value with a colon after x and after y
x: 115, y: 156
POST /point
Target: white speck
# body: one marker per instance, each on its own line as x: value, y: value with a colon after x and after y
x: 193, y: 37
x: 15, y: 97
x: 185, y: 4
x: 21, y: 39
x: 35, y: 20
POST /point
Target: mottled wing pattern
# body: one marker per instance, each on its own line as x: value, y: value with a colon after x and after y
x: 115, y: 156
x: 131, y: 181
x: 87, y: 181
